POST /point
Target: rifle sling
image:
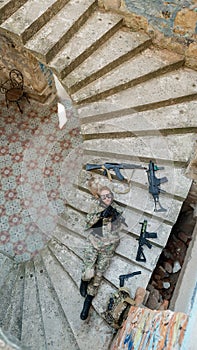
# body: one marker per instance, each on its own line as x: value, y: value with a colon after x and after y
x: 107, y: 172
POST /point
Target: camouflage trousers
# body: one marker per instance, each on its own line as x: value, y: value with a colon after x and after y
x: 96, y: 262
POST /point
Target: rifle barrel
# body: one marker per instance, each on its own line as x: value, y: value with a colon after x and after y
x: 124, y: 166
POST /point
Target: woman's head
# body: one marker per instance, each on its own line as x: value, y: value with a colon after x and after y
x: 106, y: 196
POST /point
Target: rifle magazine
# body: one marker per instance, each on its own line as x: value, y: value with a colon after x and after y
x: 140, y: 255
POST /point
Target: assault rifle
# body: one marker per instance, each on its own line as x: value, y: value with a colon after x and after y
x: 122, y: 278
x: 154, y: 184
x: 113, y: 166
x: 143, y: 241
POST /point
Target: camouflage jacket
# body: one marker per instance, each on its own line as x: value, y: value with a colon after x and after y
x: 109, y: 230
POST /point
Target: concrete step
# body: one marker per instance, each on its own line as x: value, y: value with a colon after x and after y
x: 170, y: 88
x: 179, y: 118
x: 178, y: 184
x: 73, y: 220
x: 70, y: 262
x: 85, y: 41
x: 8, y: 7
x: 119, y: 264
x: 71, y: 240
x: 146, y: 65
x: 166, y: 150
x: 6, y: 291
x: 13, y: 317
x: 32, y: 315
x: 57, y: 330
x: 127, y: 248
x: 169, y: 200
x: 46, y: 43
x: 30, y: 18
x: 138, y: 199
x: 123, y: 45
x: 93, y: 333
x: 79, y: 200
x: 73, y: 264
x: 5, y: 269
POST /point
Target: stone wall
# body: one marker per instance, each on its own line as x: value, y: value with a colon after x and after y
x: 38, y: 79
x: 171, y: 24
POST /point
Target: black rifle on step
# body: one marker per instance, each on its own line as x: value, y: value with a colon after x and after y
x: 122, y: 278
x: 106, y: 167
x: 154, y: 184
x: 143, y: 241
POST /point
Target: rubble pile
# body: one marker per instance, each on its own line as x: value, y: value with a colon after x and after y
x: 166, y: 273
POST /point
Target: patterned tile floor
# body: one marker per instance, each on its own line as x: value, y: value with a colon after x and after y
x: 33, y: 150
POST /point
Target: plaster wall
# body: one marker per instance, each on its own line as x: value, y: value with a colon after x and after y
x: 171, y: 24
x: 38, y: 79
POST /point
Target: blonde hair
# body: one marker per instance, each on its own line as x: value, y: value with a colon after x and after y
x: 96, y: 188
x: 104, y: 188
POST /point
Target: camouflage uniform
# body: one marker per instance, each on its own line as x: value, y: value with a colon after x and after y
x: 101, y: 245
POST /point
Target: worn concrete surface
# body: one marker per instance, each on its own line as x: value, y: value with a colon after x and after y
x: 142, y: 67
x: 172, y: 88
x: 122, y: 45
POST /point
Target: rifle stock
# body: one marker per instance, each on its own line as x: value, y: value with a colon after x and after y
x: 92, y: 167
x: 113, y: 166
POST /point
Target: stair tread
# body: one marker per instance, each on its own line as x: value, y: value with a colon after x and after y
x: 13, y: 317
x: 31, y: 312
x: 73, y: 265
x: 75, y: 221
x: 74, y: 242
x: 168, y: 148
x: 6, y: 290
x: 84, y: 39
x: 27, y: 15
x: 145, y: 63
x: 6, y: 267
x: 126, y: 241
x: 140, y: 177
x: 112, y: 273
x: 123, y: 267
x: 167, y: 87
x: 4, y: 2
x: 138, y: 198
x: 178, y: 185
x: 69, y: 261
x: 56, y: 327
x: 120, y: 44
x: 87, y: 334
x: 60, y: 24
x: 8, y: 7
x: 180, y: 116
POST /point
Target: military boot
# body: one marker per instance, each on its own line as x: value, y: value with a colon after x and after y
x: 86, y: 307
x: 83, y: 288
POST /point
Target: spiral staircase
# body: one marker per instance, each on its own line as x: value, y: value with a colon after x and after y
x: 135, y: 102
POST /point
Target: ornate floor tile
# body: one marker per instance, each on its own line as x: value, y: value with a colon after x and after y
x: 32, y: 153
